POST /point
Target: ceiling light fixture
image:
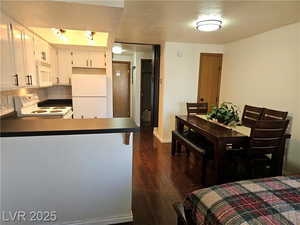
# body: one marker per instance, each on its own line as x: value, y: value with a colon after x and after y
x: 117, y: 49
x: 60, y: 33
x: 209, y: 25
x: 90, y: 35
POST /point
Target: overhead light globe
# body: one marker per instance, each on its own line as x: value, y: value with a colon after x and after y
x: 208, y: 25
x: 117, y: 49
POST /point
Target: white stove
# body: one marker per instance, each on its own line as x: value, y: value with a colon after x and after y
x: 27, y: 106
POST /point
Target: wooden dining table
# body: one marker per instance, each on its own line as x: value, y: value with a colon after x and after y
x: 221, y: 137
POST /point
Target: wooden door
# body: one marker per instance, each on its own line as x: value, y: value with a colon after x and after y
x: 209, y: 78
x: 146, y: 92
x: 121, y: 89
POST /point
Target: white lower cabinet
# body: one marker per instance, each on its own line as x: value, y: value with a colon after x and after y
x: 89, y: 107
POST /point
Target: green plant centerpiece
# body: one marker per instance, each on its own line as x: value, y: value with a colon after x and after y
x: 227, y: 114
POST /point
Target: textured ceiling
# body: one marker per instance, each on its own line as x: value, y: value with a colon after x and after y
x: 142, y: 21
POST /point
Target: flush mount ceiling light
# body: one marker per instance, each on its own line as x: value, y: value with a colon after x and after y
x: 117, y: 49
x: 208, y: 25
x: 60, y: 34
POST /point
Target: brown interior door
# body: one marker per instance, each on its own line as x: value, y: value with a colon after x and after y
x: 146, y: 92
x: 209, y: 78
x: 121, y: 89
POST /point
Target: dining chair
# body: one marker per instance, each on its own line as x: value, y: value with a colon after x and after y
x: 251, y: 114
x: 266, y: 139
x: 197, y: 108
x: 270, y: 114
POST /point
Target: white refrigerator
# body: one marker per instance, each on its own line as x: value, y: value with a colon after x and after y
x: 89, y: 96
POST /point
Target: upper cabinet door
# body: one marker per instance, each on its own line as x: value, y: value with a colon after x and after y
x: 30, y: 62
x: 17, y: 36
x: 64, y: 67
x: 97, y: 60
x: 7, y: 76
x: 80, y: 59
x: 42, y: 50
x: 54, y: 65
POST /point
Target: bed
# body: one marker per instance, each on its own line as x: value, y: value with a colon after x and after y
x: 272, y: 201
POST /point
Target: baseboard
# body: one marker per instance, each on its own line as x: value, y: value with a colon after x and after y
x: 161, y: 140
x: 101, y: 221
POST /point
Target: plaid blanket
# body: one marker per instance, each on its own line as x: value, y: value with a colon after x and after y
x: 269, y: 201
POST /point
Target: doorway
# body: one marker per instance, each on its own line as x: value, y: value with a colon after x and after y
x: 142, y: 92
x: 210, y: 78
x: 146, y: 92
x: 121, y: 89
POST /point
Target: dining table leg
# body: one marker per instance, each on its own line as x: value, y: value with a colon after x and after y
x: 277, y: 160
x: 179, y: 129
x: 219, y: 150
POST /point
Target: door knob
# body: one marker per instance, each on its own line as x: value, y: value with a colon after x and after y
x: 201, y: 99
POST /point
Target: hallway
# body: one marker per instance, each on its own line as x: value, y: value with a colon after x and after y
x: 159, y: 180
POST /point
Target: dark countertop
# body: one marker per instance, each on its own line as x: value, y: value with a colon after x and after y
x: 19, y: 127
x: 55, y: 102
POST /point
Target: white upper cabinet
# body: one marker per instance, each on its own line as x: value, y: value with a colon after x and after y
x: 97, y: 60
x: 8, y: 76
x: 30, y: 62
x: 42, y: 50
x: 80, y: 59
x: 88, y: 59
x: 54, y: 64
x: 18, y: 52
x: 64, y: 67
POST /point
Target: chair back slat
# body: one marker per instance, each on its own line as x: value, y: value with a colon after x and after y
x: 250, y: 115
x: 270, y: 114
x: 267, y: 135
x: 197, y: 108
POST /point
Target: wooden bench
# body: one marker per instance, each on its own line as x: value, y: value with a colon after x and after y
x: 178, y: 139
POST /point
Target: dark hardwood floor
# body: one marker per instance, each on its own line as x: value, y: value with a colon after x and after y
x: 159, y: 180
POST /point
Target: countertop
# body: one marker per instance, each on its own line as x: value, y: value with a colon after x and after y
x: 43, y: 127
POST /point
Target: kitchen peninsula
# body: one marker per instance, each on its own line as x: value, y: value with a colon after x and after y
x: 80, y: 168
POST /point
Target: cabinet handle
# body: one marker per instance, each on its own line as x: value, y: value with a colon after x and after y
x: 30, y: 79
x: 57, y: 80
x: 16, y: 79
x: 91, y: 62
x: 69, y: 80
x: 87, y: 63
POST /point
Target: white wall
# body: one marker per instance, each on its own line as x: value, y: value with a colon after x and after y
x: 179, y: 81
x: 86, y: 179
x: 264, y: 70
